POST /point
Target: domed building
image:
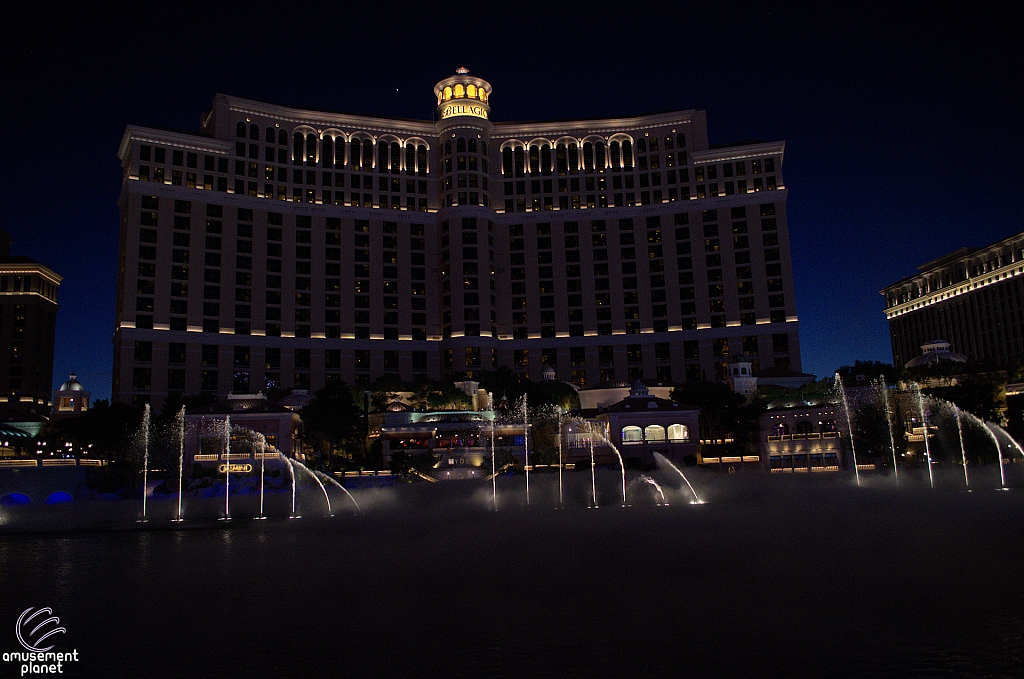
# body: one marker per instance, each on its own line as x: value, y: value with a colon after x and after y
x: 71, y: 400
x: 935, y: 351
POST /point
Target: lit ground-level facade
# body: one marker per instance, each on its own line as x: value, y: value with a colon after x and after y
x: 290, y: 247
x: 972, y: 298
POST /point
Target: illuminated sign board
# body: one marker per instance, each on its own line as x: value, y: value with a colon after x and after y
x: 460, y: 109
x: 235, y: 468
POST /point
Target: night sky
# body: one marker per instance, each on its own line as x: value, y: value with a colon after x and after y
x: 903, y: 141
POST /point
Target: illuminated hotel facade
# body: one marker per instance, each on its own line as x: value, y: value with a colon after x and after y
x: 288, y: 247
x: 972, y: 298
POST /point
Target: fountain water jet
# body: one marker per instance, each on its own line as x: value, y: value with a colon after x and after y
x: 181, y: 456
x: 558, y: 413
x: 593, y: 474
x: 662, y: 458
x: 643, y: 478
x: 924, y: 423
x: 227, y: 468
x: 526, y: 448
x: 999, y: 454
x: 494, y: 474
x: 145, y: 458
x: 319, y: 483
x: 892, y: 439
x: 963, y: 453
x: 291, y: 472
x: 262, y: 440
x: 343, y: 488
x: 849, y: 426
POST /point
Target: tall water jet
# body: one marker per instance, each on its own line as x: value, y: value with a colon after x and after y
x: 181, y: 455
x: 291, y: 472
x: 145, y: 457
x: 227, y: 468
x: 924, y: 423
x: 262, y: 440
x: 999, y: 454
x: 963, y: 453
x: 849, y: 426
x: 593, y: 473
x: 558, y: 414
x: 622, y: 466
x: 494, y: 474
x: 526, y: 448
x: 892, y: 439
x: 696, y: 500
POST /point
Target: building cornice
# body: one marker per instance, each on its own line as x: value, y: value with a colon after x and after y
x: 772, y: 148
x: 324, y: 120
x: 12, y: 268
x: 167, y: 138
x: 592, y: 126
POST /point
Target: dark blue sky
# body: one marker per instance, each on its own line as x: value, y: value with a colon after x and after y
x: 903, y: 138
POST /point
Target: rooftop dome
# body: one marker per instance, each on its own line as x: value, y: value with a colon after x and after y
x: 935, y: 351
x: 72, y: 384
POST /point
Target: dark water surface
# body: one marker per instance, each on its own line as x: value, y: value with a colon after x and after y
x: 774, y: 577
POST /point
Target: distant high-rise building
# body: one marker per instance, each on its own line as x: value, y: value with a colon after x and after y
x: 28, y: 315
x: 287, y: 247
x: 972, y: 298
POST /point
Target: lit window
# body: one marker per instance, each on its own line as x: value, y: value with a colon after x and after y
x: 654, y: 432
x: 631, y: 435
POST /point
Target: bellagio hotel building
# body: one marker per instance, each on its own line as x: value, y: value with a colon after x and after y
x: 291, y: 248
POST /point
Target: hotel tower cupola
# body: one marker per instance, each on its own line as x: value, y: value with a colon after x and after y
x: 463, y: 95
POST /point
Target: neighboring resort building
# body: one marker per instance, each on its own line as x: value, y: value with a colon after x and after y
x: 801, y: 437
x: 28, y: 321
x: 289, y: 248
x: 70, y: 400
x: 973, y: 298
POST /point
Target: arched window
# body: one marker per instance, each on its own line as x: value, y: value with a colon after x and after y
x: 781, y: 429
x: 678, y: 432
x: 240, y: 129
x: 472, y: 145
x: 653, y: 144
x: 354, y: 153
x: 297, y: 141
x: 271, y: 135
x: 421, y: 160
x: 447, y: 93
x: 483, y: 147
x: 396, y: 156
x: 254, y: 132
x: 668, y: 142
x: 681, y: 140
x: 828, y: 426
x: 632, y: 435
x: 545, y: 159
x: 506, y: 161
x: 574, y: 158
x: 534, y: 159
x: 616, y: 154
x: 460, y: 145
x: 804, y: 427
x: 520, y: 161
x: 627, y: 154
x: 460, y: 91
x: 588, y: 156
x: 410, y: 159
x: 367, y: 154
x: 448, y: 147
x: 654, y: 432
x: 382, y: 156
x: 471, y: 91
x: 561, y: 164
x: 641, y: 145
x: 310, y: 149
x: 599, y: 155
x: 328, y: 155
